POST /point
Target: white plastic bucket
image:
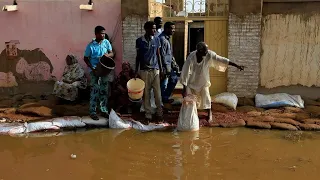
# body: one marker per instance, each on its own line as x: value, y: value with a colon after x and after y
x: 135, y: 88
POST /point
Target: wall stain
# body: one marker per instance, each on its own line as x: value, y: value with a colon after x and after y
x: 28, y: 65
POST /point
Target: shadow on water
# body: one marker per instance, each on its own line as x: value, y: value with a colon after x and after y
x: 211, y: 153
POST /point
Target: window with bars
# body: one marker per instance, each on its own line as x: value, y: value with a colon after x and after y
x: 188, y: 8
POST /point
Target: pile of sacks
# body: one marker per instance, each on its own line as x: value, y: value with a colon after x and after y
x: 274, y: 111
x: 74, y: 122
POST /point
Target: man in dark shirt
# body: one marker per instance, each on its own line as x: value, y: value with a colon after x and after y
x: 148, y: 59
x: 171, y: 78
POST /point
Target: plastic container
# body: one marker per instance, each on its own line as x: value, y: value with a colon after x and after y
x: 135, y: 89
x: 105, y: 66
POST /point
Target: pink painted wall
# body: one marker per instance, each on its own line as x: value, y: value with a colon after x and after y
x: 59, y: 27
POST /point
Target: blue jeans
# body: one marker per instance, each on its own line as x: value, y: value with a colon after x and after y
x: 168, y: 85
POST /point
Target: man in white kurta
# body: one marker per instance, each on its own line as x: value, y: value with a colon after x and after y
x: 195, y: 74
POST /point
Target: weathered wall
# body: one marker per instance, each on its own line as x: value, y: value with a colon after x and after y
x: 44, y: 32
x: 244, y: 46
x: 290, y: 46
x: 291, y: 53
x: 134, y: 15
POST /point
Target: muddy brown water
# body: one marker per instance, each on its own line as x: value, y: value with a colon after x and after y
x: 212, y: 153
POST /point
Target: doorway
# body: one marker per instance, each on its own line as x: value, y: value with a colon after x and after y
x: 196, y: 35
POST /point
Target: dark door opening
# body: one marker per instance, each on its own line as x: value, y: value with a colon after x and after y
x: 196, y: 35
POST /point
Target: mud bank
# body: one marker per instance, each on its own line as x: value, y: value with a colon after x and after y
x: 30, y: 109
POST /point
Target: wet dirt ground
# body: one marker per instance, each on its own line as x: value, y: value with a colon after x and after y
x: 211, y: 153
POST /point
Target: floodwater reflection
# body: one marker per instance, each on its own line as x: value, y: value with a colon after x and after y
x: 211, y: 153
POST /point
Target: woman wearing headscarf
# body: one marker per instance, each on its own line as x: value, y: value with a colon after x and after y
x: 120, y: 90
x: 73, y: 78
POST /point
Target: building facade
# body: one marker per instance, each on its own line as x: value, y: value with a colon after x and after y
x: 36, y: 39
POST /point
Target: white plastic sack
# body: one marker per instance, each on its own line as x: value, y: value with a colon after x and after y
x: 151, y: 127
x: 68, y: 122
x: 188, y: 117
x: 278, y: 100
x: 227, y: 99
x: 18, y: 130
x: 115, y: 122
x: 40, y: 126
x: 101, y: 122
x: 6, y: 127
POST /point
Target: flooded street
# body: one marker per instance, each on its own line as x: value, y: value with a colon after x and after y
x: 212, y: 153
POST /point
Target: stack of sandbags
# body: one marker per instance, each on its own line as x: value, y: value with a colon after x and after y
x: 287, y: 118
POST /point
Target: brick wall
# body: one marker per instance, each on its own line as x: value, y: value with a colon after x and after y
x: 244, y: 46
x: 134, y: 14
x: 132, y: 28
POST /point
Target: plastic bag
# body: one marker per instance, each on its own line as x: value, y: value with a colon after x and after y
x: 40, y: 126
x: 103, y: 122
x: 227, y: 99
x: 115, y: 122
x: 188, y: 116
x: 278, y: 100
x: 12, y: 128
x: 68, y: 122
x: 151, y: 127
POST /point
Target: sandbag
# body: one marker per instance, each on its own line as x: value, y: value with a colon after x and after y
x: 40, y: 126
x: 13, y: 127
x: 311, y: 121
x: 102, y: 122
x: 270, y: 111
x: 257, y: 124
x: 302, y: 116
x: 278, y: 100
x: 254, y: 114
x: 286, y: 120
x: 188, y: 116
x: 238, y: 123
x: 283, y: 115
x: 38, y: 110
x: 246, y: 109
x: 18, y: 130
x: 227, y: 99
x: 219, y: 108
x: 310, y: 127
x: 68, y: 122
x: 283, y: 126
x: 292, y: 110
x: 151, y: 127
x: 115, y: 122
x: 261, y: 119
